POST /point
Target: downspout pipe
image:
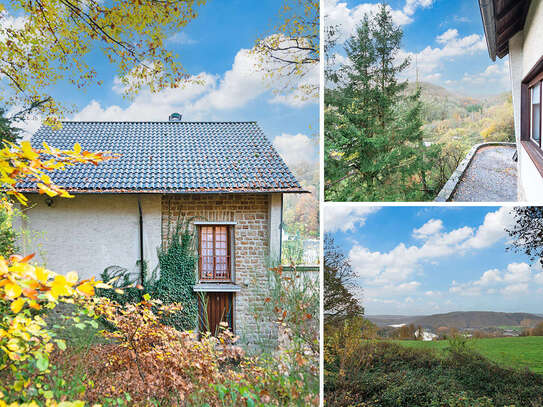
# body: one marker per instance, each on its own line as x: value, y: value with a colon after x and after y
x: 142, y: 266
x: 281, y: 232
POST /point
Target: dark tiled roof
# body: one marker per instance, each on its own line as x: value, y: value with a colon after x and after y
x: 170, y: 157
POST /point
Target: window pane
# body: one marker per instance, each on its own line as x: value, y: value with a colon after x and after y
x: 536, y: 94
x: 214, y: 252
x: 536, y: 112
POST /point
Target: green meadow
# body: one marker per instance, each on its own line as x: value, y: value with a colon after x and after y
x: 518, y: 352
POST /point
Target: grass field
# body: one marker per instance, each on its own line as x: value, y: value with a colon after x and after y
x: 517, y: 352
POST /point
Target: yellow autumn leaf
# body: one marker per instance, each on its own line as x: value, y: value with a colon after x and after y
x: 44, y: 188
x: 86, y: 288
x: 17, y: 305
x: 12, y: 290
x: 13, y: 345
x: 72, y: 277
x: 60, y: 287
x: 42, y: 275
x: 28, y: 152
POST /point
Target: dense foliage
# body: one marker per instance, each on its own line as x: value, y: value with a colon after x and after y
x: 385, y: 374
x: 8, y: 237
x: 177, y: 263
x: 339, y: 303
x: 171, y: 282
x: 51, y: 41
x: 291, y: 302
x: 527, y: 231
x: 26, y: 341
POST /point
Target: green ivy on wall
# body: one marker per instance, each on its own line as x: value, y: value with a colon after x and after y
x: 177, y: 263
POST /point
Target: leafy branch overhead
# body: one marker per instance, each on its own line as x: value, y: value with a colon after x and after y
x: 18, y: 162
x: 292, y: 51
x: 48, y: 41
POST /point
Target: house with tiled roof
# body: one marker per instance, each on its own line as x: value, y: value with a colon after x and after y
x: 225, y: 177
x: 515, y: 28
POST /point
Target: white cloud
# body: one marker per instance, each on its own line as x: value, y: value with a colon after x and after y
x: 294, y: 149
x: 346, y: 217
x: 181, y: 38
x: 430, y: 228
x: 8, y: 21
x: 411, y: 5
x: 492, y: 230
x: 400, y: 263
x: 517, y: 273
x: 153, y: 106
x: 490, y: 277
x: 431, y: 60
x: 205, y: 96
x: 515, y: 279
x: 241, y: 84
x: 339, y: 14
x: 447, y: 36
x: 497, y: 73
x: 515, y: 289
x: 392, y: 290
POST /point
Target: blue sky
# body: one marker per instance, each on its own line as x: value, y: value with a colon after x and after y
x: 215, y: 46
x: 444, y: 37
x: 425, y: 260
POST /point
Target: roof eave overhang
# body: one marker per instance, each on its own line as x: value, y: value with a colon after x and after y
x: 175, y: 192
x: 489, y: 25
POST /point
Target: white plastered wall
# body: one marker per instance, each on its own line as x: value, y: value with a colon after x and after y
x: 92, y: 231
x: 525, y: 49
x: 275, y: 219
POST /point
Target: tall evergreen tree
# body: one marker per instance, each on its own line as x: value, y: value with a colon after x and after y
x: 373, y: 130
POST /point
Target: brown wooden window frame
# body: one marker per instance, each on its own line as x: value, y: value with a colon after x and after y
x: 533, y: 148
x: 229, y: 274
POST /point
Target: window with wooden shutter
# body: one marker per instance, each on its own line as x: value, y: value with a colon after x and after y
x: 214, y: 253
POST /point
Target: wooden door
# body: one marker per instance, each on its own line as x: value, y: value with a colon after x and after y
x: 220, y: 307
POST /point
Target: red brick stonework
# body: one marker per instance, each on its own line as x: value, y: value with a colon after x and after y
x: 251, y: 247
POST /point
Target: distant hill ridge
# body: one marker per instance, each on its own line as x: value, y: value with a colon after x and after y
x: 475, y: 319
x: 431, y: 91
x: 460, y: 319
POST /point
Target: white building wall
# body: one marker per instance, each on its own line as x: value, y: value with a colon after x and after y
x: 275, y: 210
x: 525, y: 49
x: 90, y: 232
x: 516, y: 75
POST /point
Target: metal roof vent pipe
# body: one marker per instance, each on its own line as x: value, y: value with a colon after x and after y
x: 175, y: 117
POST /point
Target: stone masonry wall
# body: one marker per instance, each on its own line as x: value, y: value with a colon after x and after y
x: 251, y: 243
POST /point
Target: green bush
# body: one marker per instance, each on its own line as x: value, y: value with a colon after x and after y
x: 389, y: 375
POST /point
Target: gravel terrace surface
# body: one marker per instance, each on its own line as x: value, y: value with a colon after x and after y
x: 490, y: 177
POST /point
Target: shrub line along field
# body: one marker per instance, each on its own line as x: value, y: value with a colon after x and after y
x: 517, y: 352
